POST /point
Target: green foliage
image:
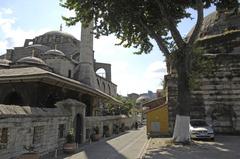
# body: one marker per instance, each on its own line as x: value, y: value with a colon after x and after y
x: 126, y: 108
x: 201, y: 66
x: 127, y: 19
x: 96, y: 130
x: 223, y: 5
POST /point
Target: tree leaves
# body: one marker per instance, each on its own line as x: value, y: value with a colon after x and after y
x: 124, y: 18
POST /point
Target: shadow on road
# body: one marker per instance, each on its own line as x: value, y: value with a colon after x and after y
x: 96, y: 150
x: 224, y: 147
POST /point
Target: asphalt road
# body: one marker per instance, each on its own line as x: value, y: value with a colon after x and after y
x: 126, y: 146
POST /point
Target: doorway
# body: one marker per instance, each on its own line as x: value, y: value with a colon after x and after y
x: 79, y: 129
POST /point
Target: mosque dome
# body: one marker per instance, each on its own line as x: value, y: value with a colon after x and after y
x: 54, y: 52
x: 59, y: 33
x: 31, y: 60
x: 142, y: 99
x: 218, y: 23
x: 5, y: 62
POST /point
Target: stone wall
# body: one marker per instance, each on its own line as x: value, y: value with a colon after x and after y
x: 217, y: 98
x: 107, y: 86
x: 110, y: 121
x: 171, y: 99
x: 28, y: 126
x: 221, y: 94
x: 60, y: 65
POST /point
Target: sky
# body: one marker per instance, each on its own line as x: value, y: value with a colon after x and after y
x: 23, y: 19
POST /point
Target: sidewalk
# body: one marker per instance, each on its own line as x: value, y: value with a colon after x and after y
x: 224, y: 147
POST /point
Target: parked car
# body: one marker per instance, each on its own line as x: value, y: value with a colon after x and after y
x: 199, y: 129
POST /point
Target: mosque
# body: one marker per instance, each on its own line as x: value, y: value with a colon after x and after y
x: 48, y: 87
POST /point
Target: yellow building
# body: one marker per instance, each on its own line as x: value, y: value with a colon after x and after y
x: 157, y: 120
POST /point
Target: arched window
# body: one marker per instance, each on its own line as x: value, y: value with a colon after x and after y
x: 69, y: 74
x: 104, y: 88
x: 101, y: 72
x: 98, y: 83
x: 109, y: 89
x: 13, y: 98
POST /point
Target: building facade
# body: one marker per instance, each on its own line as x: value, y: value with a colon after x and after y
x: 216, y: 99
x: 49, y: 87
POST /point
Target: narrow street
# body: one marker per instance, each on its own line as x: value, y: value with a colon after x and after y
x: 126, y: 146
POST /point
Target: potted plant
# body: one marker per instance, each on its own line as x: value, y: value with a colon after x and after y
x: 95, y: 136
x: 70, y: 145
x: 31, y: 154
x: 106, y: 132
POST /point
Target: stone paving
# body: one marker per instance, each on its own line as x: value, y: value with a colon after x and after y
x: 224, y: 147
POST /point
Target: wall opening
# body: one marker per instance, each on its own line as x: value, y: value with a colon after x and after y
x: 104, y: 87
x: 69, y: 74
x: 109, y: 90
x: 98, y: 83
x: 50, y: 102
x: 87, y: 99
x: 13, y: 98
x: 79, y: 128
x: 101, y: 72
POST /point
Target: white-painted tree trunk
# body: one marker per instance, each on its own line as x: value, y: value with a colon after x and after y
x: 181, y: 129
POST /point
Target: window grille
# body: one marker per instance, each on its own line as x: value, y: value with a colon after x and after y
x: 61, y: 129
x: 3, y: 138
x: 38, y: 134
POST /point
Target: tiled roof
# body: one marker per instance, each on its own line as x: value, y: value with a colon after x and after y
x: 35, y: 73
x: 20, y: 111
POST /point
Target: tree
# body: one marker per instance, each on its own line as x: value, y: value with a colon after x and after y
x: 135, y: 22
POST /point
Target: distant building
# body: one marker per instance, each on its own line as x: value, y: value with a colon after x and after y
x: 133, y: 96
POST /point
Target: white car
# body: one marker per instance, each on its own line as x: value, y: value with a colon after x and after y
x: 199, y: 129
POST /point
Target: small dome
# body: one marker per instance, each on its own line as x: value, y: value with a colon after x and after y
x: 31, y: 60
x: 54, y: 52
x: 143, y: 99
x: 43, y: 48
x: 5, y: 62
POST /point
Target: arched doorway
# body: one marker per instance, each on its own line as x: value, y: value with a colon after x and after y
x: 13, y: 98
x: 79, y: 128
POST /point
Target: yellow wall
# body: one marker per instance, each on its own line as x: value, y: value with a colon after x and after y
x: 158, y: 115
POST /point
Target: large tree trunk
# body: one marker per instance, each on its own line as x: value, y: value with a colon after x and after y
x: 181, y: 129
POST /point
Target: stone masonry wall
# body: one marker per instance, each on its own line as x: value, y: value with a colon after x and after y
x: 35, y: 127
x: 221, y: 94
x: 109, y: 121
x: 217, y: 98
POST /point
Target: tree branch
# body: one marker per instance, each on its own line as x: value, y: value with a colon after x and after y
x: 158, y: 39
x: 198, y: 25
x: 171, y: 25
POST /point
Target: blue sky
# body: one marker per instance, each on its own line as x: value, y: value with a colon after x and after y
x: 22, y: 19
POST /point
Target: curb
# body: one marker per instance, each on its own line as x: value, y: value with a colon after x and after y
x: 144, y: 149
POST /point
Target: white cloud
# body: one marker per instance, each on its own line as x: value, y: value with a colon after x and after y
x: 13, y: 36
x: 156, y: 70
x: 129, y: 81
x: 7, y: 11
x: 124, y: 74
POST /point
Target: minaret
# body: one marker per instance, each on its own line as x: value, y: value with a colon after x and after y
x: 86, y: 73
